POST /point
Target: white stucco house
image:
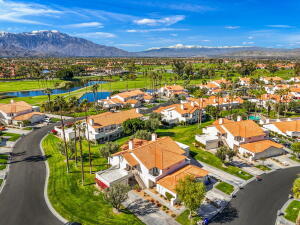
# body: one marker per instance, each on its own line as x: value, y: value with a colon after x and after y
x: 150, y: 164
x: 286, y: 128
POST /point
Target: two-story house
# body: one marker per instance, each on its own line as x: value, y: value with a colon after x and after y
x: 172, y: 90
x: 150, y: 164
x: 176, y: 113
x: 17, y: 112
x: 108, y: 126
x: 237, y: 135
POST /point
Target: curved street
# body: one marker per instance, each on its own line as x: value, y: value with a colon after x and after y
x: 259, y: 201
x: 22, y: 199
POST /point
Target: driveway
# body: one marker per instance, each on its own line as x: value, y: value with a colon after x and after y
x: 147, y: 212
x: 22, y: 199
x: 259, y: 201
x: 222, y: 175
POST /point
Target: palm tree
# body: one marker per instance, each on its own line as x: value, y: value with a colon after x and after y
x: 61, y: 102
x: 75, y: 127
x: 81, y: 154
x: 95, y: 90
x: 48, y: 92
x: 85, y: 104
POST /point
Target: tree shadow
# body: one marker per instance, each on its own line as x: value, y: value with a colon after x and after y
x: 166, y: 133
x: 229, y: 214
x: 141, y: 208
x: 33, y: 158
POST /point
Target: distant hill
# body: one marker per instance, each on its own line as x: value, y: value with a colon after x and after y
x: 205, y: 51
x: 57, y: 44
x: 52, y: 43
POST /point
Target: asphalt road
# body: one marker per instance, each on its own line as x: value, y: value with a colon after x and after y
x: 259, y: 201
x: 22, y: 199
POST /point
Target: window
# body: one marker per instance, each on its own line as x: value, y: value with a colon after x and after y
x: 154, y: 171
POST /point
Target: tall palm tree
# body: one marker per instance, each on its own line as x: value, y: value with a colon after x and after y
x: 60, y: 101
x: 85, y: 104
x: 75, y: 127
x: 95, y: 90
x: 81, y: 153
x: 48, y: 92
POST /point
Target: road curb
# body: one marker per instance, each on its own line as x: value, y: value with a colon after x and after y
x: 55, y: 213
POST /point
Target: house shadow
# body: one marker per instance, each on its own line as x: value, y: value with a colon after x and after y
x: 228, y: 215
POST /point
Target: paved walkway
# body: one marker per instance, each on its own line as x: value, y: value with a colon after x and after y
x: 222, y: 175
x: 17, y: 131
x: 147, y: 212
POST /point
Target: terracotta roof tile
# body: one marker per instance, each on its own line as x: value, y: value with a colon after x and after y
x: 260, y: 146
x: 170, y: 181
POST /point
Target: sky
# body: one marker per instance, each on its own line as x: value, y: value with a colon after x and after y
x: 136, y: 25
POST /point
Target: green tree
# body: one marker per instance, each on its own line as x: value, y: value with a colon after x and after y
x: 296, y: 148
x: 108, y: 149
x: 191, y: 193
x: 116, y: 194
x: 133, y: 125
x: 48, y: 92
x: 152, y: 124
x: 65, y: 74
x: 143, y: 134
x: 296, y: 188
x: 222, y: 153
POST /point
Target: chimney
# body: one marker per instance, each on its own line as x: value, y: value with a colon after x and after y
x: 138, y: 110
x: 239, y: 118
x: 92, y: 122
x: 153, y: 137
x: 221, y: 121
x: 215, y: 100
x: 130, y: 144
x: 182, y: 106
x: 107, y: 97
x: 12, y: 101
x: 192, y: 104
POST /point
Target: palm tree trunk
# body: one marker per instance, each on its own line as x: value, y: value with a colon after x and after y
x: 88, y: 139
x: 81, y: 157
x: 75, y: 142
x: 64, y: 139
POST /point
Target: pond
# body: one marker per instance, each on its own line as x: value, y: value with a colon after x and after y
x: 91, y: 97
x: 73, y: 87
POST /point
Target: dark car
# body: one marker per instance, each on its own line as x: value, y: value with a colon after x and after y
x: 73, y: 223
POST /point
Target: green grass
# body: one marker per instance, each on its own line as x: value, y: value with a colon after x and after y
x: 295, y: 158
x: 263, y: 167
x: 186, y: 135
x: 183, y: 218
x: 292, y: 211
x: 1, y: 181
x: 13, y: 136
x: 225, y: 187
x: 74, y: 201
x: 25, y: 85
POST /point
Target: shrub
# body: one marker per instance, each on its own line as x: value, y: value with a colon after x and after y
x: 173, y: 215
x: 54, y: 132
x: 169, y: 196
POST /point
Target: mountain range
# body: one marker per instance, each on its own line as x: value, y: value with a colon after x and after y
x: 57, y: 44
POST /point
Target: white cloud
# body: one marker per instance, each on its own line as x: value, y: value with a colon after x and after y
x: 18, y: 12
x: 155, y: 30
x: 162, y: 21
x: 232, y: 27
x: 205, y: 40
x: 280, y: 26
x: 96, y: 35
x: 84, y: 25
x: 250, y: 37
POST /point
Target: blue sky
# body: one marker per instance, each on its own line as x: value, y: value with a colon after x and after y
x: 136, y: 25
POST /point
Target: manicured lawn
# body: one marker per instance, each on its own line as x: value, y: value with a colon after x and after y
x: 263, y: 167
x: 13, y: 136
x: 74, y: 201
x: 186, y: 135
x: 24, y: 85
x: 292, y: 211
x: 225, y: 187
x: 183, y: 218
x: 295, y: 158
x: 3, y: 161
